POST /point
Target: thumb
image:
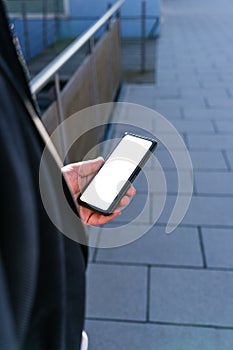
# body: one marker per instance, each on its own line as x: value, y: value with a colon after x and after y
x: 90, y: 166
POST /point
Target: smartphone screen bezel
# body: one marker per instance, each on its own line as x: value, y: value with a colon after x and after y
x: 125, y: 187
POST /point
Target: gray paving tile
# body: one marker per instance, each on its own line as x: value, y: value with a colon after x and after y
x: 229, y: 155
x: 209, y: 160
x: 187, y: 126
x: 168, y: 112
x: 214, y: 183
x: 141, y: 100
x: 117, y: 292
x: 148, y: 88
x: 211, y: 142
x: 230, y: 90
x: 225, y: 125
x: 196, y: 113
x: 187, y: 79
x: 211, y: 91
x: 167, y: 92
x: 206, y: 72
x: 129, y: 336
x: 162, y: 73
x: 135, y: 115
x: 218, y: 245
x: 155, y: 179
x: 116, y: 131
x: 198, y: 297
x: 220, y: 102
x: 210, y: 211
x: 211, y: 96
x: 165, y: 159
x: 193, y: 126
x: 155, y: 247
x: 209, y: 81
x: 209, y: 84
x: 196, y: 93
x: 135, y: 207
x: 166, y: 84
x: 141, y: 91
x: 185, y: 82
x: 91, y: 252
x: 182, y: 102
x: 92, y: 237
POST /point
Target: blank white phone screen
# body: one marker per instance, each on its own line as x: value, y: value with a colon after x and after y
x: 116, y: 171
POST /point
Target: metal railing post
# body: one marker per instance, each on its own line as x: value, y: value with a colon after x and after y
x: 93, y: 70
x: 48, y: 72
x: 118, y: 17
x: 109, y: 5
x: 60, y: 116
x: 110, y: 47
x: 143, y: 36
x: 25, y: 29
x: 95, y: 95
x: 56, y: 22
x: 44, y: 23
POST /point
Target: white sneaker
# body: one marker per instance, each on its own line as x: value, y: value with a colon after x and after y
x: 84, y: 343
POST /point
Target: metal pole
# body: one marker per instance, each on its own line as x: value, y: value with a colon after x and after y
x: 110, y: 47
x: 25, y: 29
x: 143, y: 36
x: 60, y: 117
x: 56, y: 22
x: 93, y: 70
x: 40, y: 80
x: 95, y: 94
x: 44, y: 25
x: 109, y: 20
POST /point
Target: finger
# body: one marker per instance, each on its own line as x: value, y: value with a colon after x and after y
x: 89, y: 167
x: 124, y: 201
x: 131, y: 191
x: 98, y: 219
x: 90, y: 217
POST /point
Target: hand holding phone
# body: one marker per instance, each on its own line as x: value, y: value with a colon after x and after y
x: 111, y: 182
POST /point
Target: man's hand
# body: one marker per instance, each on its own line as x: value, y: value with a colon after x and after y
x: 77, y: 176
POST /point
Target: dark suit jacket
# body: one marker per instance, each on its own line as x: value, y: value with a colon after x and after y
x: 42, y: 273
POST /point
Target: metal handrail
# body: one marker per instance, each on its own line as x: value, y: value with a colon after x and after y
x: 43, y: 77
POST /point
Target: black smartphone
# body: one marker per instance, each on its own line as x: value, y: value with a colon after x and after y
x: 112, y: 180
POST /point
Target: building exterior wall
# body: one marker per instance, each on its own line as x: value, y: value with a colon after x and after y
x: 78, y: 16
x: 35, y: 42
x: 90, y: 10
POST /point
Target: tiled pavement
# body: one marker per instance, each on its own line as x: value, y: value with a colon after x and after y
x: 175, y: 292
